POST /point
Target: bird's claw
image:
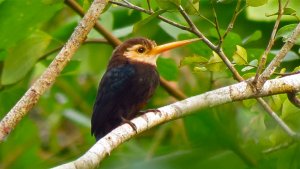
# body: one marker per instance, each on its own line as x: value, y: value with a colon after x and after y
x: 151, y: 110
x: 132, y: 125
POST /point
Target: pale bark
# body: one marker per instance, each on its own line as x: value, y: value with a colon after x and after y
x: 236, y: 92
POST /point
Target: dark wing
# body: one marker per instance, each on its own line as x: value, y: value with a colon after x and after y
x: 113, y: 84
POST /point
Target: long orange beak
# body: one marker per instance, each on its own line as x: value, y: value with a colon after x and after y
x: 165, y: 47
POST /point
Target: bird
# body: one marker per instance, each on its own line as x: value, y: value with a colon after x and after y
x: 128, y: 83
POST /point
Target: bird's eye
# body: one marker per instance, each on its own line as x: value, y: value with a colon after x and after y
x: 141, y: 49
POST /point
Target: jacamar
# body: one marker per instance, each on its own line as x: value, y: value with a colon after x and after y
x: 129, y: 81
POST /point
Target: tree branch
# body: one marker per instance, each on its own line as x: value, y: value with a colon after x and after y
x: 218, y: 49
x: 236, y: 92
x: 264, y: 57
x: 278, y: 58
x: 30, y: 98
x: 237, y: 11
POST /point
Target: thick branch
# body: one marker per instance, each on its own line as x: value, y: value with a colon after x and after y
x: 9, y: 122
x: 236, y: 92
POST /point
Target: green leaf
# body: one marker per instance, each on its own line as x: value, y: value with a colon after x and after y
x: 296, y: 69
x: 286, y: 31
x: 215, y: 63
x: 253, y: 37
x: 248, y: 75
x: 253, y: 64
x: 190, y: 6
x: 168, y: 4
x: 193, y: 60
x: 22, y: 57
x: 167, y: 68
x: 249, y: 103
x: 86, y: 4
x: 240, y: 55
x: 256, y: 3
x: 71, y: 67
x: 3, y: 54
x: 23, y: 19
x: 289, y: 11
x: 275, y: 102
x: 143, y: 23
x: 199, y: 69
x: 288, y: 109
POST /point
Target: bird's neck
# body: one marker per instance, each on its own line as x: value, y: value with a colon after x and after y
x: 119, y: 60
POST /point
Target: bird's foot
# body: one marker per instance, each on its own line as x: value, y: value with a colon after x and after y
x: 151, y: 110
x: 132, y: 125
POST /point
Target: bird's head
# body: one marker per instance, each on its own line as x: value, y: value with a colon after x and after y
x: 146, y: 51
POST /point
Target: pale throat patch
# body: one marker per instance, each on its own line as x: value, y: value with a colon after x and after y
x: 134, y: 55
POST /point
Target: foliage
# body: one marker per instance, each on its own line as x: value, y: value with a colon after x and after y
x: 236, y: 135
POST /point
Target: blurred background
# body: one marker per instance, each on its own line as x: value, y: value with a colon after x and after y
x: 57, y: 130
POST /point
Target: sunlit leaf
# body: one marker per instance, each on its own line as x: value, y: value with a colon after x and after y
x: 22, y: 57
x: 240, y: 55
x: 193, y: 60
x: 256, y: 3
x: 190, y: 6
x: 199, y: 69
x: 248, y: 75
x: 288, y: 109
x: 249, y: 102
x: 296, y: 69
x: 276, y: 102
x: 289, y: 11
x: 215, y: 63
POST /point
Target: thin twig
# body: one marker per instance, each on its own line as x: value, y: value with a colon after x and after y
x: 237, y: 11
x: 131, y: 6
x: 238, y: 77
x: 264, y: 57
x: 281, y: 123
x: 278, y: 58
x: 279, y: 147
x: 31, y: 97
x: 217, y: 25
